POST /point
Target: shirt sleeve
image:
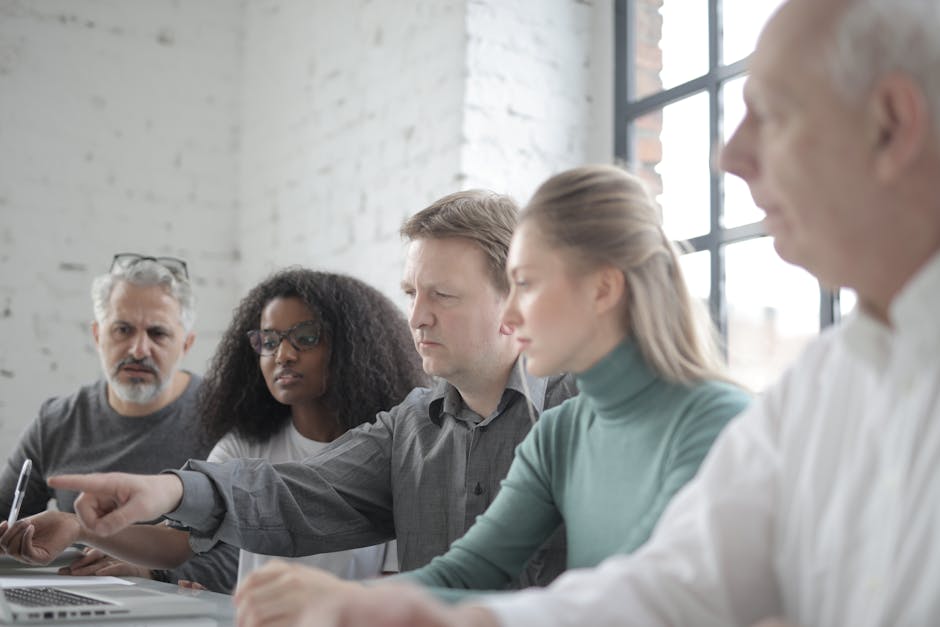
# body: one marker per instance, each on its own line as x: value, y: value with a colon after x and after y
x: 216, y: 569
x: 709, y: 562
x: 38, y: 493
x: 496, y: 548
x: 335, y: 500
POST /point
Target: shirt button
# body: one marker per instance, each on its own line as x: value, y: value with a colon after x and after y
x: 478, y: 490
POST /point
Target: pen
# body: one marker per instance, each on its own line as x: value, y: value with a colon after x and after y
x: 20, y: 492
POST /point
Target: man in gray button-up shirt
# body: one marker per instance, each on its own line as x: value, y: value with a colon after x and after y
x: 422, y: 471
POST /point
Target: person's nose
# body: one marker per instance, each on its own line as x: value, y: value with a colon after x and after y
x: 286, y: 353
x: 738, y: 156
x: 422, y: 314
x: 511, y: 316
x: 140, y: 347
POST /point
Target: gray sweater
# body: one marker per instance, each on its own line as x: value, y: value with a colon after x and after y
x: 81, y: 433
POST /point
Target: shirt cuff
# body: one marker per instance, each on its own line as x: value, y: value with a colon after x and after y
x: 200, y: 508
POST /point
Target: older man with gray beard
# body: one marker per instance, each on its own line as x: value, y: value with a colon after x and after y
x: 142, y: 416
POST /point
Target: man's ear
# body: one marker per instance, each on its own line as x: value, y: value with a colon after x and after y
x: 190, y: 338
x: 608, y: 289
x: 900, y: 119
x: 95, y: 330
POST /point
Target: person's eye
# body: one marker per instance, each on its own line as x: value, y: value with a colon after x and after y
x: 269, y: 342
x: 441, y: 294
x: 307, y: 340
x: 158, y: 334
x: 120, y: 330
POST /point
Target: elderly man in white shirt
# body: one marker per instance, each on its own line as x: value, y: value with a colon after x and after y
x: 820, y: 505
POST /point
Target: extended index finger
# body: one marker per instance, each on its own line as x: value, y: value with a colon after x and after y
x: 91, y: 482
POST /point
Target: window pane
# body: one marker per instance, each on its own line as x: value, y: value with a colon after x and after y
x: 847, y: 301
x: 773, y: 311
x: 671, y: 43
x: 739, y: 208
x: 697, y: 270
x: 672, y: 153
x: 741, y: 23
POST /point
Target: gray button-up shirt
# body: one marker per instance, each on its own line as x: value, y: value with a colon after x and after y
x: 421, y: 473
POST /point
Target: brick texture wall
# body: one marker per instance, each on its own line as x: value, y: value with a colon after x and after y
x: 245, y: 136
x: 117, y: 133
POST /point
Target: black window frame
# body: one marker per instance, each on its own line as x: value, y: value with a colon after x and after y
x: 628, y: 108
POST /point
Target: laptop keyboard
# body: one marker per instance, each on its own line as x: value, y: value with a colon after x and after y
x: 48, y: 597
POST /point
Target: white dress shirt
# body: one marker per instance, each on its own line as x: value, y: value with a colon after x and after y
x: 820, y: 504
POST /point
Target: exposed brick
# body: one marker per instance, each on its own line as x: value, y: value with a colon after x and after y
x: 250, y: 135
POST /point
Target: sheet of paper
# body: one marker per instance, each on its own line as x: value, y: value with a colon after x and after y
x: 63, y: 559
x: 22, y: 580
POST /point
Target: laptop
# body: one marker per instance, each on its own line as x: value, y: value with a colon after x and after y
x: 99, y: 602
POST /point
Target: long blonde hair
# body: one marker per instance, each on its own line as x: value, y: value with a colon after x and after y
x: 602, y: 215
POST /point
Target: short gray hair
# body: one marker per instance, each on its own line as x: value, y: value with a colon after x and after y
x: 874, y: 37
x: 144, y: 273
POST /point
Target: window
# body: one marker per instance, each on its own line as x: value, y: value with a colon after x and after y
x: 680, y: 69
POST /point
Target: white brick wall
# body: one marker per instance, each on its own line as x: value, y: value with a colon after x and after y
x: 245, y: 136
x: 352, y: 113
x: 117, y: 128
x: 538, y: 91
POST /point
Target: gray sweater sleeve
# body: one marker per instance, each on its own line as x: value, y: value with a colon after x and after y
x: 216, y: 569
x: 339, y: 499
x: 37, y: 493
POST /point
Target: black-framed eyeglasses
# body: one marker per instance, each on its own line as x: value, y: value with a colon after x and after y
x: 303, y: 336
x: 173, y: 264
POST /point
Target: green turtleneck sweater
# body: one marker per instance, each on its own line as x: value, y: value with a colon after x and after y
x: 606, y: 463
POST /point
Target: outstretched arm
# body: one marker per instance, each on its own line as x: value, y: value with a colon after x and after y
x: 336, y: 500
x: 339, y: 499
x: 113, y: 501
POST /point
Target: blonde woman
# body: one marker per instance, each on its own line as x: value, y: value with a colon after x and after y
x: 596, y: 290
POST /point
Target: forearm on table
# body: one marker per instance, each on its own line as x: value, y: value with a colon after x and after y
x: 151, y: 546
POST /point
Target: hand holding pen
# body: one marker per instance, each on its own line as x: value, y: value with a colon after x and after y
x: 20, y: 492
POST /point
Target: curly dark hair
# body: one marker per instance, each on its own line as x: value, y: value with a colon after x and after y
x: 373, y: 362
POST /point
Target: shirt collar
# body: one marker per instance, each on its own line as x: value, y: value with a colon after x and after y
x: 913, y: 313
x: 917, y: 305
x: 445, y: 398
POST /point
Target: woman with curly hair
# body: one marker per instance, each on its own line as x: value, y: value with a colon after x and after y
x: 332, y: 352
x: 357, y: 337
x: 308, y: 355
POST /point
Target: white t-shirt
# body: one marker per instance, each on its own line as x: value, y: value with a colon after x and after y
x: 288, y: 445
